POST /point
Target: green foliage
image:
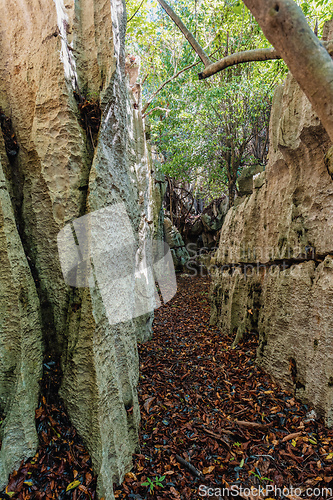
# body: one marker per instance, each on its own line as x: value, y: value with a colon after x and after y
x: 207, y: 130
x: 317, y: 11
x: 152, y: 483
x: 261, y: 478
x: 207, y: 135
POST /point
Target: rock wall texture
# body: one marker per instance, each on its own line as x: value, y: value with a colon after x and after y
x: 20, y: 343
x: 57, y: 56
x: 176, y: 243
x: 203, y: 231
x: 273, y: 269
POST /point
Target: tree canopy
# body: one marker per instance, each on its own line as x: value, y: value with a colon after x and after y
x: 206, y: 131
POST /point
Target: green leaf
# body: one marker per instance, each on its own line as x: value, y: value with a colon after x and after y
x: 73, y: 485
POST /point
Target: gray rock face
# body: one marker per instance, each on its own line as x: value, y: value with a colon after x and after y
x: 61, y: 172
x: 20, y: 344
x: 176, y: 243
x: 273, y: 269
x: 203, y: 230
x: 245, y: 180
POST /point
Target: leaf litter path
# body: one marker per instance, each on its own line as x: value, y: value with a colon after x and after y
x: 204, y: 406
x: 211, y: 405
x: 61, y: 468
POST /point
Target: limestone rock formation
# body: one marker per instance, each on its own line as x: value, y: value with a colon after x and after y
x: 204, y: 230
x: 62, y: 69
x: 176, y: 243
x: 273, y: 268
x: 245, y: 180
x: 20, y: 343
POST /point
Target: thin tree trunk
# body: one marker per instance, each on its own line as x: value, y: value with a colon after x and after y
x: 255, y: 55
x: 173, y: 77
x: 231, y: 192
x: 187, y: 34
x: 170, y: 199
x: 285, y: 26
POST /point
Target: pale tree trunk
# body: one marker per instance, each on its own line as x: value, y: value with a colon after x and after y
x: 239, y: 58
x: 51, y: 175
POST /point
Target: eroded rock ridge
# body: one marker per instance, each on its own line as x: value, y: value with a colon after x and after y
x: 274, y: 264
x: 57, y: 57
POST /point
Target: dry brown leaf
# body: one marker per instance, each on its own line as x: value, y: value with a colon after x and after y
x: 130, y: 475
x: 174, y: 492
x: 291, y: 436
x: 148, y: 403
x: 208, y: 470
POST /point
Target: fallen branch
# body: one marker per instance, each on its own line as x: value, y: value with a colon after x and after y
x: 299, y: 460
x: 239, y: 412
x: 217, y: 437
x: 239, y: 58
x: 195, y: 472
x: 224, y: 431
x: 187, y: 34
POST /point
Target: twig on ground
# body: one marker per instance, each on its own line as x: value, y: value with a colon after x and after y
x: 252, y: 425
x: 195, y: 472
x: 217, y: 437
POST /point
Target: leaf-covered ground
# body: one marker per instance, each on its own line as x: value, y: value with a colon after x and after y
x: 198, y: 400
x: 205, y: 406
x: 61, y: 468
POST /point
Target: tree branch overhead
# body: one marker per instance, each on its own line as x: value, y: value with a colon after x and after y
x: 239, y: 58
x: 186, y: 32
x: 286, y: 28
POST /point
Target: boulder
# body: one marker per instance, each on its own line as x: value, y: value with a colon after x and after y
x: 176, y: 243
x: 203, y: 230
x: 197, y: 227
